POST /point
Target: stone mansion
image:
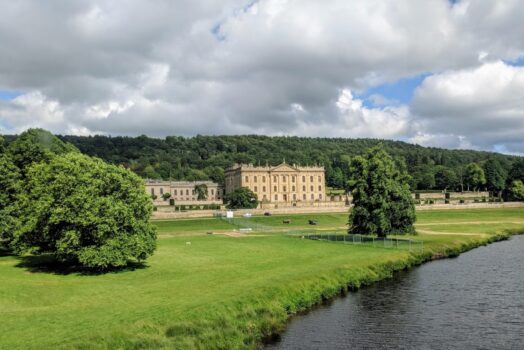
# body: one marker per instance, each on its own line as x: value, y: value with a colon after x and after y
x: 283, y: 183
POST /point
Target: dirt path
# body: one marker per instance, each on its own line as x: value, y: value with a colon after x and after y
x: 478, y: 222
x: 430, y: 232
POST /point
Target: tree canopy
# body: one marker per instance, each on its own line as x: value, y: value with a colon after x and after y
x: 474, y: 176
x: 201, y: 191
x: 80, y: 209
x: 85, y: 211
x: 241, y: 198
x: 10, y: 187
x: 381, y: 196
x: 496, y: 175
x: 36, y: 145
x: 205, y: 157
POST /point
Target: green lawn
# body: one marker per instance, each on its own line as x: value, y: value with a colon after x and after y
x: 217, y: 291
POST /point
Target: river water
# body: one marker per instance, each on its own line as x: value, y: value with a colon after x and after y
x: 474, y: 301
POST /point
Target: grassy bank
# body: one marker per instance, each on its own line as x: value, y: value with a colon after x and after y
x: 217, y: 291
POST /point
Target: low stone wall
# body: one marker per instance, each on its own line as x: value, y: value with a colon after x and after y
x: 336, y: 209
x: 452, y: 195
x: 238, y: 213
x: 303, y: 205
x: 470, y: 206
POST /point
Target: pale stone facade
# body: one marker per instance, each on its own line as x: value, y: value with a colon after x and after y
x: 284, y: 183
x: 183, y: 192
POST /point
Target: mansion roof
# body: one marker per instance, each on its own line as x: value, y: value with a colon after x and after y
x: 179, y: 183
x: 268, y: 168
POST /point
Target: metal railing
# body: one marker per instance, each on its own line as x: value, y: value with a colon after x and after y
x: 395, y: 242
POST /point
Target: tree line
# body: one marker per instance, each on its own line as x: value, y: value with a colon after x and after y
x: 206, y: 157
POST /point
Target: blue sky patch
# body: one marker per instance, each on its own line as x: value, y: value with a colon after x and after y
x: 8, y: 95
x: 519, y: 62
x: 399, y: 92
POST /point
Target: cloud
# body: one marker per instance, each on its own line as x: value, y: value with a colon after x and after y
x: 483, y: 105
x: 272, y: 67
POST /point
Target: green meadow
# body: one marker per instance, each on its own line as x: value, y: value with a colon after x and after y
x: 202, y: 291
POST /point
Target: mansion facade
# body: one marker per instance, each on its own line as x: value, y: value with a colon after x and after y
x: 183, y: 192
x: 284, y: 183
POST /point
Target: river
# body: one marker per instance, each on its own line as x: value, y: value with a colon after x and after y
x: 473, y: 301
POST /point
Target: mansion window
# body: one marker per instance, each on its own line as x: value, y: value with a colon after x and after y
x: 285, y: 189
x: 320, y: 188
x: 263, y: 188
x: 294, y: 196
x: 263, y: 179
x: 274, y: 188
x: 275, y: 178
x: 320, y: 196
x: 161, y: 191
x: 247, y: 179
x: 174, y: 192
x: 320, y: 179
x: 212, y: 192
x: 311, y: 178
x: 152, y: 191
x: 293, y: 178
x: 303, y: 179
x: 293, y: 188
x: 255, y: 178
x: 276, y: 197
x: 187, y: 192
x: 312, y: 196
x: 256, y: 189
x: 304, y: 196
x: 303, y: 188
x: 312, y: 188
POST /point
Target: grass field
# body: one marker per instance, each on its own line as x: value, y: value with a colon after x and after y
x: 213, y: 291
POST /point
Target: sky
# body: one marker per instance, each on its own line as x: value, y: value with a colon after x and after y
x: 434, y: 72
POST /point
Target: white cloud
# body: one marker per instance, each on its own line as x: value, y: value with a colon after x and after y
x: 485, y: 104
x: 270, y: 66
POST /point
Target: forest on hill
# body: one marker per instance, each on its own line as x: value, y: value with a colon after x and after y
x: 206, y: 157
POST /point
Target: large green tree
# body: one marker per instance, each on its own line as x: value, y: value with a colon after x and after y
x: 516, y: 172
x: 85, y: 211
x: 10, y: 187
x: 201, y: 192
x: 495, y: 175
x: 446, y: 179
x: 36, y: 145
x: 241, y: 198
x: 474, y: 176
x: 382, y: 202
x: 517, y: 190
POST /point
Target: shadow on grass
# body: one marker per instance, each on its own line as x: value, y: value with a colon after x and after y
x: 48, y: 264
x: 5, y: 252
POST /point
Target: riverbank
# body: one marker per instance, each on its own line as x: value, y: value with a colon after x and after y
x: 203, y: 291
x: 472, y: 301
x: 378, y: 272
